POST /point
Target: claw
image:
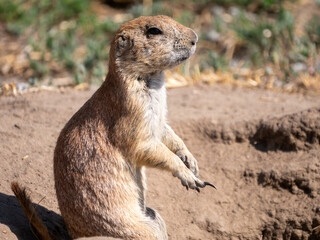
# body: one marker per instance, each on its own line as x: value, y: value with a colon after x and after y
x: 198, y: 190
x: 187, y: 188
x: 209, y: 184
x: 184, y: 159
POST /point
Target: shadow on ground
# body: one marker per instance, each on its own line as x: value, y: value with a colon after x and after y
x: 11, y: 214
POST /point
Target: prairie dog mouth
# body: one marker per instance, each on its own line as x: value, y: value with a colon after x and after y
x: 182, y: 59
x: 184, y: 55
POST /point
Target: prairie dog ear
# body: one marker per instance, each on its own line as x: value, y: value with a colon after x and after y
x: 123, y: 44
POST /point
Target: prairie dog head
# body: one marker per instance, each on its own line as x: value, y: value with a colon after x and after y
x: 151, y: 44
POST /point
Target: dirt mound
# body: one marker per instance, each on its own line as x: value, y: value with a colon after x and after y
x: 292, y: 229
x: 296, y: 183
x: 298, y: 131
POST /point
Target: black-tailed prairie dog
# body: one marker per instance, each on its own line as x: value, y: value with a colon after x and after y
x: 101, y: 153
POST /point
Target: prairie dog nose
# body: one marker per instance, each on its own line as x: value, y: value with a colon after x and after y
x: 194, y: 38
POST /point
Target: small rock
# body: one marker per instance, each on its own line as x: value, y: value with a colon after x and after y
x: 313, y: 194
x: 21, y: 86
x: 299, y: 67
x: 213, y: 36
x: 295, y: 190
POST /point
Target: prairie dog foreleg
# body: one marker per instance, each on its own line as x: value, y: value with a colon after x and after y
x: 177, y: 146
x: 157, y: 155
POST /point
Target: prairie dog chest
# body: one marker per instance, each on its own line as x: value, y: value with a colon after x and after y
x: 155, y: 105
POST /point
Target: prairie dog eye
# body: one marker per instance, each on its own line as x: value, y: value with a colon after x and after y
x: 154, y: 31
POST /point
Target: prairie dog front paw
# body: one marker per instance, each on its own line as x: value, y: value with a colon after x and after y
x: 188, y: 159
x: 188, y: 179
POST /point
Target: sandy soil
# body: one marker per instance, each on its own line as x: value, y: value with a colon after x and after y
x: 260, y: 148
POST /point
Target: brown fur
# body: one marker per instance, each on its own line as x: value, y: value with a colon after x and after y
x: 102, y: 150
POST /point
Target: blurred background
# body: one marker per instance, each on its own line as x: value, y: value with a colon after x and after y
x: 256, y: 43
